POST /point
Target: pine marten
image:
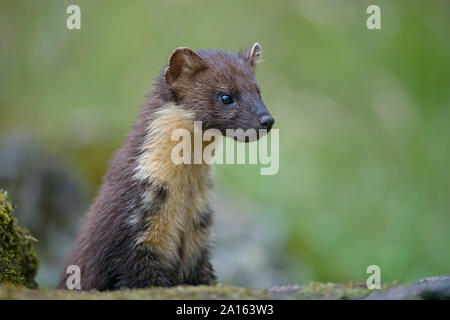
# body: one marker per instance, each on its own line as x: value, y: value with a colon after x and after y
x: 150, y: 224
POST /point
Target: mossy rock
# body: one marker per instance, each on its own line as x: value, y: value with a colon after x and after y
x: 429, y: 288
x: 18, y: 261
x: 217, y: 292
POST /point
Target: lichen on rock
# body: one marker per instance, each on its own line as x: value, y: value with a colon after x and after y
x: 18, y: 261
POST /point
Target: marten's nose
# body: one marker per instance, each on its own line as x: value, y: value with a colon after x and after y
x: 267, y: 121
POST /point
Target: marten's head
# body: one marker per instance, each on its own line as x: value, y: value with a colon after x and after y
x: 219, y: 88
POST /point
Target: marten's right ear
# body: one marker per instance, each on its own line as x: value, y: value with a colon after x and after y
x: 183, y: 61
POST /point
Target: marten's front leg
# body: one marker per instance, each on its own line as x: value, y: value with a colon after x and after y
x: 142, y: 270
x: 204, y: 273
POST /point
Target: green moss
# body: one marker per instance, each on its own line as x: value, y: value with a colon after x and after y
x: 18, y: 262
x: 335, y: 291
x: 307, y: 292
x: 430, y: 288
x: 174, y: 293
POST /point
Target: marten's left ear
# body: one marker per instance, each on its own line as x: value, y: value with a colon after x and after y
x: 253, y: 55
x: 183, y: 61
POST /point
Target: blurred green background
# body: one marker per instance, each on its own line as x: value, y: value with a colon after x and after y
x: 363, y: 114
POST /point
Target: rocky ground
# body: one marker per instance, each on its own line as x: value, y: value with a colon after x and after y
x: 429, y: 288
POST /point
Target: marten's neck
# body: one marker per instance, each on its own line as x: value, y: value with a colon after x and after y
x: 154, y: 161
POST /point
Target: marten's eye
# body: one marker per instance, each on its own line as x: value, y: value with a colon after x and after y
x: 226, y: 99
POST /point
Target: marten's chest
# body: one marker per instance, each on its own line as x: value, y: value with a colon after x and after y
x: 177, y: 232
x: 180, y: 231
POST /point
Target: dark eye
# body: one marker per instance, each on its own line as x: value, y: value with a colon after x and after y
x: 226, y: 99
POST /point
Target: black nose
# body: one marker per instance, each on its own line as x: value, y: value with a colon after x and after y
x: 267, y: 121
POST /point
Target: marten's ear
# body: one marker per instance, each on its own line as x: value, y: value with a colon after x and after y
x: 253, y: 55
x: 183, y: 61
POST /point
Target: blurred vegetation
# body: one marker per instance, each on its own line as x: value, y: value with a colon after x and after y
x: 18, y: 262
x: 363, y: 114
